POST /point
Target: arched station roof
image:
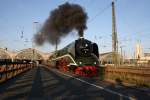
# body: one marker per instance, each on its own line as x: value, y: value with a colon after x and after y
x: 107, y: 57
x: 30, y: 54
x: 4, y: 54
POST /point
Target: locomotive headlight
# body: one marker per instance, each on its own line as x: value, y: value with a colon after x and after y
x: 95, y: 63
x: 80, y: 62
x: 86, y: 45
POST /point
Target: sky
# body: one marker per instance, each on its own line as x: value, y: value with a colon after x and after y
x: 132, y: 21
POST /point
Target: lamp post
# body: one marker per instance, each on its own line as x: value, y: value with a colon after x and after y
x: 36, y: 27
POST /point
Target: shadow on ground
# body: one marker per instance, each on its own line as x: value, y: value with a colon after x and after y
x: 43, y: 84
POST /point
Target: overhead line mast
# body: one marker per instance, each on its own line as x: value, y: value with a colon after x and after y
x: 114, y: 36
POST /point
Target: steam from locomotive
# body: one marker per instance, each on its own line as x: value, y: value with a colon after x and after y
x: 61, y: 22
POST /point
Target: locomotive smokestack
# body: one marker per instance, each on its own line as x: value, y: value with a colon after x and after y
x: 81, y: 33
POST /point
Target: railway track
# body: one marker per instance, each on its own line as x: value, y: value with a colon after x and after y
x: 47, y: 83
x: 139, y: 76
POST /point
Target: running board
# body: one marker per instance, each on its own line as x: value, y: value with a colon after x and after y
x: 67, y: 55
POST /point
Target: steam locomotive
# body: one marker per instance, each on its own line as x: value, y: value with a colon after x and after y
x: 80, y: 57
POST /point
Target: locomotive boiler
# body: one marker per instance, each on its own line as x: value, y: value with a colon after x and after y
x: 80, y: 57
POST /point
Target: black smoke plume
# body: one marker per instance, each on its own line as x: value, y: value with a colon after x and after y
x: 61, y: 22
